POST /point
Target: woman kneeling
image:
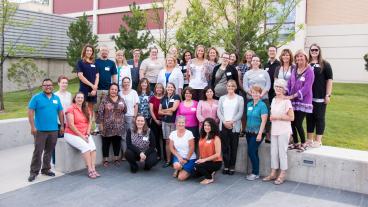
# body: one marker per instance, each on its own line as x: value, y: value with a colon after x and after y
x: 210, y: 159
x: 140, y: 145
x: 77, y: 132
x: 182, y: 147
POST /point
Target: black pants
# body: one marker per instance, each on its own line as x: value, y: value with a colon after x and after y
x: 133, y: 158
x: 195, y: 132
x: 229, y: 146
x: 316, y: 120
x: 297, y: 126
x: 207, y: 168
x: 197, y: 94
x: 157, y: 132
x: 106, y: 141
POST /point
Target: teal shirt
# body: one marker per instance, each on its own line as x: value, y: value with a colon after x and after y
x: 46, y: 111
x: 254, y: 115
x: 106, y: 69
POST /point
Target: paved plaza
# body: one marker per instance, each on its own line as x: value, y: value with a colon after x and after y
x: 118, y: 187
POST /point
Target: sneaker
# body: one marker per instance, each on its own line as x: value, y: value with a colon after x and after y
x: 165, y: 165
x: 48, y: 173
x: 252, y: 177
x: 31, y: 178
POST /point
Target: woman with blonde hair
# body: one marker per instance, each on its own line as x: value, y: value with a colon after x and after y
x: 122, y: 67
x: 171, y: 73
x: 213, y: 57
x: 150, y: 67
x: 300, y: 93
x: 197, y: 72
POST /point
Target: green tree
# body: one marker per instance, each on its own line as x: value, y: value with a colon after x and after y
x: 239, y: 25
x: 80, y: 34
x: 133, y: 32
x: 8, y: 47
x: 366, y: 61
x: 25, y: 73
x: 196, y: 28
x: 166, y: 37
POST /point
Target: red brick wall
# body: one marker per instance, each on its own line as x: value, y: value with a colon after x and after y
x: 104, y: 4
x: 71, y: 6
x: 110, y: 23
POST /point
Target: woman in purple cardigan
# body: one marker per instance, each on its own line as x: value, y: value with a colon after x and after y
x: 300, y: 94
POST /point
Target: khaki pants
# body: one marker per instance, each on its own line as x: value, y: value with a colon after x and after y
x: 279, y: 147
x: 44, y: 142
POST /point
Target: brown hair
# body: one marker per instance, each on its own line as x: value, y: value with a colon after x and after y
x: 83, y: 54
x: 286, y: 51
x: 139, y: 88
x: 62, y: 77
x: 190, y: 89
x: 320, y: 59
x: 145, y: 126
x: 173, y: 85
x: 256, y: 88
x: 84, y: 105
x: 217, y: 54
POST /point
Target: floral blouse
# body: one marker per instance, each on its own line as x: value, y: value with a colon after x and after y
x: 143, y: 106
x: 111, y: 115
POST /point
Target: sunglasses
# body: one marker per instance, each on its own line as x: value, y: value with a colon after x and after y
x: 314, y: 50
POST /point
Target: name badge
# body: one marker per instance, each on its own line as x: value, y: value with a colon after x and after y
x: 54, y: 101
x: 93, y: 66
x: 131, y: 66
x: 121, y: 103
x: 250, y: 108
x: 145, y: 138
x: 266, y: 69
x: 208, y: 141
x: 152, y: 65
x: 171, y: 100
x: 261, y: 75
x: 193, y: 109
x: 302, y: 78
x: 107, y: 68
x: 228, y: 73
x: 317, y: 65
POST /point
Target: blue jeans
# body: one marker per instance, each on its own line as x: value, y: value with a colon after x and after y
x: 253, y: 151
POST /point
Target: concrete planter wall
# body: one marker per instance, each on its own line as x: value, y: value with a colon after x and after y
x: 14, y: 133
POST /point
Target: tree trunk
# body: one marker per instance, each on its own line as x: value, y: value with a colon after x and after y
x: 237, y: 30
x: 2, y: 57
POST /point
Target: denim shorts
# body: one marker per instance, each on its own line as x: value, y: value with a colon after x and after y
x: 189, y: 166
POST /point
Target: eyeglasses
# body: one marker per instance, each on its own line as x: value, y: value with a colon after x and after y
x: 47, y: 85
x: 314, y: 50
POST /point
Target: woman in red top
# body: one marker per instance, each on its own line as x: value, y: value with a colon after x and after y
x: 77, y: 132
x: 154, y: 104
x: 210, y: 159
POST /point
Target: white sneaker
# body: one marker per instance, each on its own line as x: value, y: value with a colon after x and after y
x: 252, y: 177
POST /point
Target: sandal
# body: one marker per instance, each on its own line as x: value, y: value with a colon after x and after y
x: 316, y: 145
x: 91, y: 175
x: 280, y: 180
x: 175, y: 174
x: 269, y: 178
x: 206, y: 181
x: 105, y: 163
x: 116, y: 162
x: 301, y: 148
x: 96, y: 173
x: 292, y: 146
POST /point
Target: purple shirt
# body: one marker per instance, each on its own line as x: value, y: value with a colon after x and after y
x: 302, y: 85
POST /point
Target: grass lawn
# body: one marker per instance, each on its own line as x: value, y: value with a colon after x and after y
x: 346, y: 125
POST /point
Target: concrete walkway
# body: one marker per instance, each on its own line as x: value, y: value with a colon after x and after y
x: 118, y: 187
x: 14, y: 171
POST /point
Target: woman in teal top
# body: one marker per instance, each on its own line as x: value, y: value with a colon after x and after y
x: 257, y: 113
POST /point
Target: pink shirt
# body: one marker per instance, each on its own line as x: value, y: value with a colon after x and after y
x: 80, y: 120
x: 278, y: 108
x: 207, y: 110
x: 189, y: 113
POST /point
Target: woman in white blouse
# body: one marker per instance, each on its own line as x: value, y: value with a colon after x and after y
x: 122, y: 68
x: 171, y: 73
x: 197, y: 72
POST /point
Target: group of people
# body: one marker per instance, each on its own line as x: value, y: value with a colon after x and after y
x: 189, y: 113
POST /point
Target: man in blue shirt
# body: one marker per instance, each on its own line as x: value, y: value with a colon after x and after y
x: 108, y: 73
x: 43, y: 111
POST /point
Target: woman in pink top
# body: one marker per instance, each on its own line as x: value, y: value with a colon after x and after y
x: 188, y: 109
x: 77, y: 132
x: 207, y: 108
x: 281, y: 116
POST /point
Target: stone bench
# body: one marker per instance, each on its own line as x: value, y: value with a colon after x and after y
x: 69, y: 159
x: 15, y: 133
x: 333, y: 167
